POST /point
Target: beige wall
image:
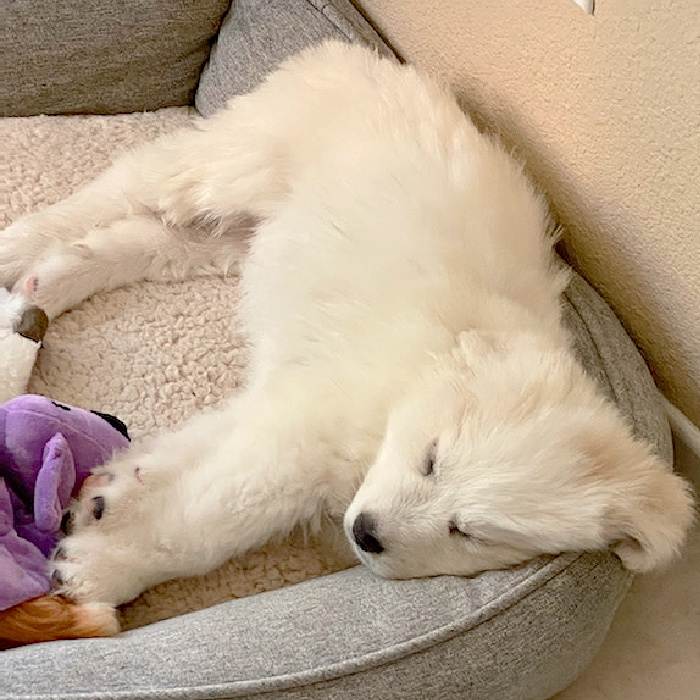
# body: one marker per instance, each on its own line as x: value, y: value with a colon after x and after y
x: 606, y: 110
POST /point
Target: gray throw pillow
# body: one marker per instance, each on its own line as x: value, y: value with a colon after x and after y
x: 103, y: 56
x: 257, y: 35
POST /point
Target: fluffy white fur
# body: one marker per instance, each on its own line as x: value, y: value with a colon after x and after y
x: 17, y: 353
x: 409, y: 370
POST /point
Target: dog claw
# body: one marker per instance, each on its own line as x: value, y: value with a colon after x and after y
x: 56, y: 579
x: 67, y: 523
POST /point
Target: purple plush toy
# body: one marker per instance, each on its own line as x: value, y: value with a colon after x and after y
x: 46, y: 452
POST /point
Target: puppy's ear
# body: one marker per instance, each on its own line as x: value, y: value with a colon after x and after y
x: 650, y: 508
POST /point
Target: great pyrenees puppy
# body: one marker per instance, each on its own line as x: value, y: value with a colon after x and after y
x: 410, y: 371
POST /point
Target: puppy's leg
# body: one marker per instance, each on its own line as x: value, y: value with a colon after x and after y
x: 197, y: 185
x: 124, y: 252
x: 225, y: 483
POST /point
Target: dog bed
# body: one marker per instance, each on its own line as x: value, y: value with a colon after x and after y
x: 155, y: 353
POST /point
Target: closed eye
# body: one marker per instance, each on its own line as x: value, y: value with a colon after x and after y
x: 429, y: 459
x: 456, y: 530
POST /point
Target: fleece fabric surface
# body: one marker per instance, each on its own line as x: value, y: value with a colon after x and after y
x: 152, y: 354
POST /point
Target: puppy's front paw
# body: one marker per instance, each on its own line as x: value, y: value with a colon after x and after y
x: 84, y: 570
x: 108, y: 555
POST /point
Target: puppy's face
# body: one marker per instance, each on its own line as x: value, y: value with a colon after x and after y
x: 503, y: 452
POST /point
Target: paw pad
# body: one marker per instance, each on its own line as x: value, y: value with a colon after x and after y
x: 98, y: 507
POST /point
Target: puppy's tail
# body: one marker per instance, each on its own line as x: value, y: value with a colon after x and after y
x: 49, y: 618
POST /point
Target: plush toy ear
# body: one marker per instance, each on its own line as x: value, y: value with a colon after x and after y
x: 650, y: 508
x: 54, y: 484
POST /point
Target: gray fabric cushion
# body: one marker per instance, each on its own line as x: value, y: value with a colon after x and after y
x: 257, y: 35
x: 522, y: 634
x: 103, y: 56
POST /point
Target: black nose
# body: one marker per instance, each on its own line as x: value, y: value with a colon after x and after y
x: 364, y: 531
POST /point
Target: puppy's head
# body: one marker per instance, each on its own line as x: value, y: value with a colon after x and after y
x: 504, y: 451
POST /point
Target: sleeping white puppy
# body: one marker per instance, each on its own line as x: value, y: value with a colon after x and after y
x: 409, y: 369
